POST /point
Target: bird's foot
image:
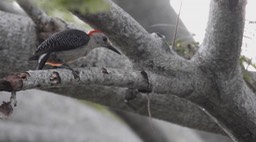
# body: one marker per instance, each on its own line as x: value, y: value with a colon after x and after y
x: 74, y: 72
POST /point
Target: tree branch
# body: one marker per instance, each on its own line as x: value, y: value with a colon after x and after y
x: 188, y: 118
x: 230, y: 102
x: 37, y: 15
x: 219, y: 90
x: 8, y: 6
x: 47, y: 117
x: 135, y: 42
x: 140, y: 125
x: 17, y: 32
x: 46, y: 25
x: 99, y: 76
x: 115, y: 97
x: 223, y: 39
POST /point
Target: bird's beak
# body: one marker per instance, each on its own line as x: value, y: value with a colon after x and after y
x: 111, y: 47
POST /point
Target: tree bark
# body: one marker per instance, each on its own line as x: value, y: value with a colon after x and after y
x: 212, y: 79
x: 216, y: 63
x: 186, y: 113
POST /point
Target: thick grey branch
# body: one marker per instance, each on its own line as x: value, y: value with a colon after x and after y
x: 146, y: 51
x: 223, y: 39
x: 140, y: 125
x: 8, y: 6
x: 46, y: 117
x: 135, y: 42
x: 18, y: 40
x: 229, y: 101
x: 127, y: 79
x: 37, y: 15
x: 163, y: 106
x: 46, y: 25
x: 102, y: 76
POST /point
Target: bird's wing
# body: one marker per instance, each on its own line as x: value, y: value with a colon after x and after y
x: 65, y: 40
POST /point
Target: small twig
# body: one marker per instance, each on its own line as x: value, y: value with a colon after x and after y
x: 176, y: 26
x: 248, y: 64
x: 147, y: 92
x: 13, y: 100
x: 149, y: 112
x: 148, y: 106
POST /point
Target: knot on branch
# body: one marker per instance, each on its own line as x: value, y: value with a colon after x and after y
x: 13, y: 82
x: 149, y: 86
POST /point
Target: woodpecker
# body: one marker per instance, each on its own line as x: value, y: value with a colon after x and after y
x: 66, y: 46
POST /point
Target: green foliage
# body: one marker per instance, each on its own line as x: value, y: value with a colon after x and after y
x: 186, y: 48
x: 83, y: 6
x: 247, y: 77
x: 101, y: 109
x: 248, y: 61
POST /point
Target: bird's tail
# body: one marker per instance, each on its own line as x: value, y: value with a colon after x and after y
x: 42, y: 60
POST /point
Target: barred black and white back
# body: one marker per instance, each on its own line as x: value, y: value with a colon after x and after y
x: 62, y: 41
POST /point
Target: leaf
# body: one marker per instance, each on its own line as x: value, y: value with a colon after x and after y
x: 83, y: 6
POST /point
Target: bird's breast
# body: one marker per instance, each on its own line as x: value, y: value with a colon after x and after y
x: 69, y: 56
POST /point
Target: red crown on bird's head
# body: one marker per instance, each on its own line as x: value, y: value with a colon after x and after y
x: 94, y: 31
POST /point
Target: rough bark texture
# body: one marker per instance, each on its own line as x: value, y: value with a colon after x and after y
x: 186, y: 114
x: 231, y: 102
x: 212, y: 79
x: 213, y: 61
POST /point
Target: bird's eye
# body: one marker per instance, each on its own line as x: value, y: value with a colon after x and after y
x: 105, y: 39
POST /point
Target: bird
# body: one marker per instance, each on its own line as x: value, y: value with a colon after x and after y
x: 64, y: 47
